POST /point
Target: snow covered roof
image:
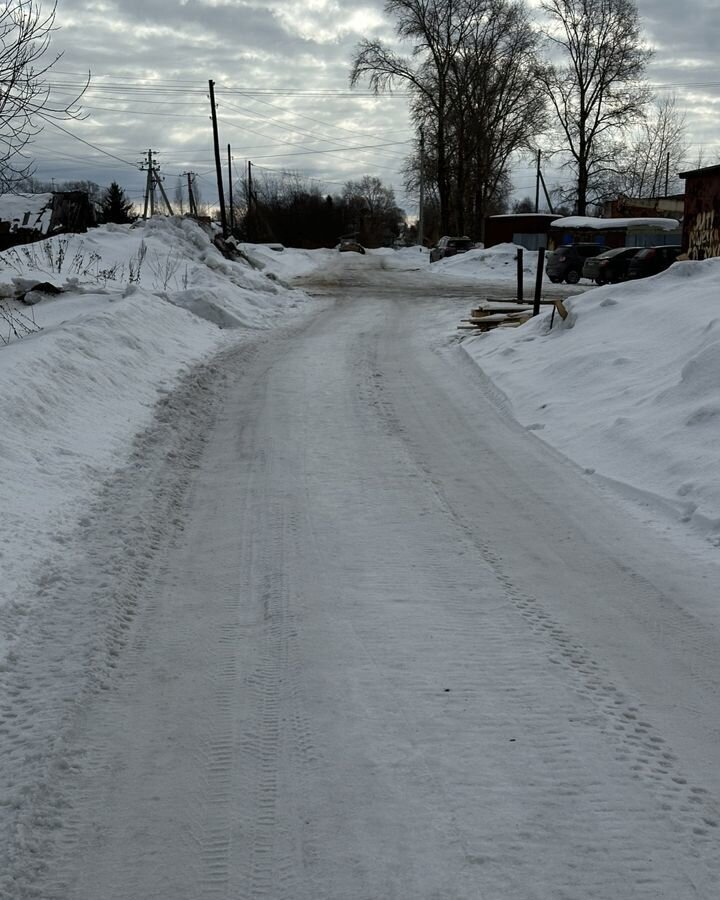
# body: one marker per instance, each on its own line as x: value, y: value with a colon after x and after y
x: 525, y: 215
x: 27, y: 210
x: 636, y: 224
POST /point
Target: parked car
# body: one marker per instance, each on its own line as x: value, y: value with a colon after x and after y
x: 610, y: 266
x: 651, y: 260
x: 348, y: 245
x: 449, y: 246
x: 566, y: 263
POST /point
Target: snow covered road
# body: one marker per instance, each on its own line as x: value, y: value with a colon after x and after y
x: 361, y: 637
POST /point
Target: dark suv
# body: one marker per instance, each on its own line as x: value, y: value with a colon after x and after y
x: 651, y: 260
x: 449, y: 246
x: 566, y: 263
x: 610, y: 266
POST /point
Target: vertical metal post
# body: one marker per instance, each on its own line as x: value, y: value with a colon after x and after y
x: 421, y: 219
x: 520, y: 275
x: 218, y: 167
x: 538, y: 281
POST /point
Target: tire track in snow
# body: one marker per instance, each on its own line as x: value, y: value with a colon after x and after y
x: 68, y: 649
x: 639, y: 750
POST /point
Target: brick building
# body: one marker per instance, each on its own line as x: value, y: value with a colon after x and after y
x: 701, y: 222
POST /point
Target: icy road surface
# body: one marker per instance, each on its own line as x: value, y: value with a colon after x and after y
x: 344, y: 631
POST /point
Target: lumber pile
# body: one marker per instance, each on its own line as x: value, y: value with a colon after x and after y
x: 505, y: 314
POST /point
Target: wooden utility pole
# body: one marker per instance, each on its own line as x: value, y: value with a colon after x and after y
x: 545, y: 191
x: 249, y: 222
x: 218, y: 167
x: 667, y: 174
x: 232, y: 211
x: 537, y: 183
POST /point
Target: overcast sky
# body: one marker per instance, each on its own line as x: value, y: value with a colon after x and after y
x: 281, y: 73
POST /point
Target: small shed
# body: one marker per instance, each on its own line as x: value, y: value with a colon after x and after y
x: 701, y: 223
x: 643, y: 231
x: 528, y: 230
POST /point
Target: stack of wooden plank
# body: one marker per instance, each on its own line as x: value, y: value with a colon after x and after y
x: 504, y: 314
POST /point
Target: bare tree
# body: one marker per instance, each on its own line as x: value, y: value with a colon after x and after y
x: 596, y: 89
x: 475, y: 97
x: 498, y: 107
x: 657, y: 151
x: 373, y: 206
x: 435, y: 28
x: 26, y: 99
x: 179, y: 195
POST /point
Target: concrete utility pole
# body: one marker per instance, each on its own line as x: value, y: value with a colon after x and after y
x: 192, y: 205
x: 159, y: 182
x: 153, y: 180
x: 218, y: 167
x: 148, y: 184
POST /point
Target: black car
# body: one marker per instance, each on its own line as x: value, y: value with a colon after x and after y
x: 449, y: 246
x: 348, y: 245
x: 610, y: 266
x: 566, y: 263
x: 651, y: 260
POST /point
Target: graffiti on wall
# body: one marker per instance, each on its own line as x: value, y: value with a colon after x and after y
x: 704, y: 236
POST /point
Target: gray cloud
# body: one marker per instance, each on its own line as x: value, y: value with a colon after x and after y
x: 151, y: 61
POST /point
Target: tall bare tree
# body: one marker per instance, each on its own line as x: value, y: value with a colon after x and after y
x: 26, y: 98
x: 595, y: 88
x: 435, y: 29
x: 498, y: 106
x: 475, y: 96
x: 657, y: 151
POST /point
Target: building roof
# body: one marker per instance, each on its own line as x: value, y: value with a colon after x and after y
x: 643, y: 223
x: 708, y: 170
x: 33, y: 211
x: 525, y: 215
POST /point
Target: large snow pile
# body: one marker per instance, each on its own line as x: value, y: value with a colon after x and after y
x: 82, y: 370
x: 286, y: 262
x: 498, y: 263
x: 628, y: 386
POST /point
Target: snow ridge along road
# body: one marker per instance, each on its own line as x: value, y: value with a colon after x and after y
x: 347, y: 632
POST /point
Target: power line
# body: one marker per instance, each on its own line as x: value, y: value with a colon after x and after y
x: 287, y: 127
x: 331, y: 150
x: 87, y: 143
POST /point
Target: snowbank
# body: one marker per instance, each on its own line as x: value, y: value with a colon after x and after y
x: 81, y: 371
x: 628, y: 386
x: 498, y: 263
